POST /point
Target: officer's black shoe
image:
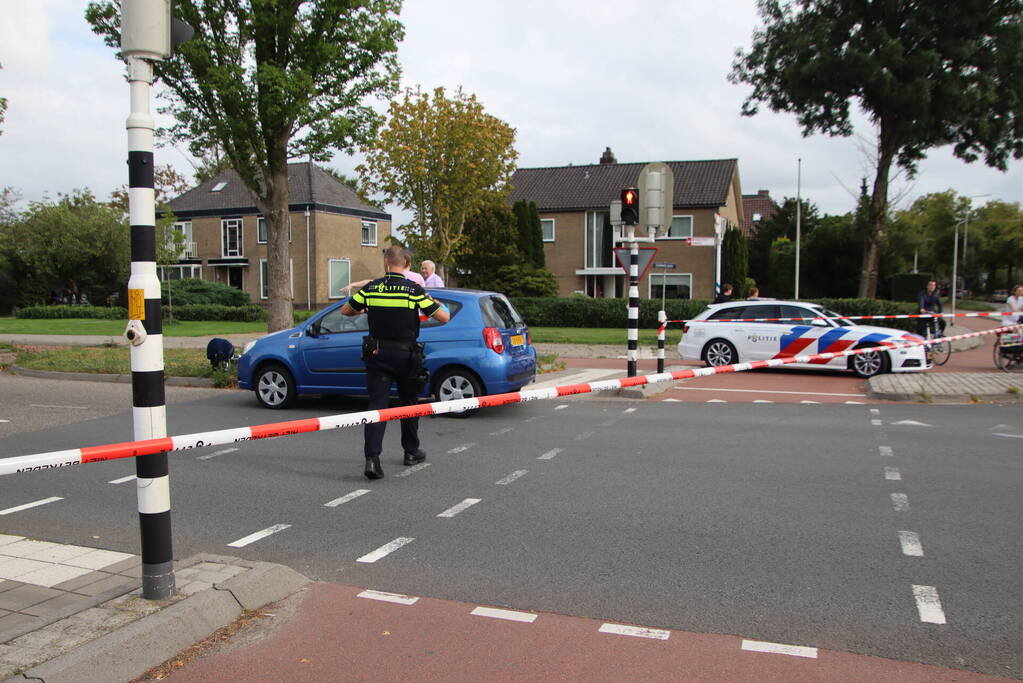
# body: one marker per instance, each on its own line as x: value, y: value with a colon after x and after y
x: 415, y: 457
x: 373, y: 469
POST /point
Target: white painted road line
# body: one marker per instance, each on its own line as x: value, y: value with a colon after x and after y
x: 637, y: 631
x: 252, y: 538
x: 875, y: 411
x: 43, y: 405
x: 215, y: 454
x: 1009, y: 436
x: 768, y: 391
x: 121, y: 480
x: 4, y: 420
x: 892, y: 474
x: 875, y: 423
x: 886, y: 451
x: 583, y: 435
x: 26, y: 506
x: 628, y: 410
x: 912, y: 423
x: 452, y: 511
x: 928, y: 604
x: 511, y: 477
x: 499, y: 432
x: 345, y: 498
x: 900, y: 501
x: 760, y: 400
x: 910, y: 542
x: 385, y: 550
x: 854, y: 403
x: 549, y: 455
x: 716, y: 400
x: 463, y: 447
x: 561, y: 407
x: 397, y: 598
x: 413, y: 469
x: 779, y: 649
x: 506, y: 614
x: 814, y: 402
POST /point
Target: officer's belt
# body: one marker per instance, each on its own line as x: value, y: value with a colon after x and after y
x: 396, y: 345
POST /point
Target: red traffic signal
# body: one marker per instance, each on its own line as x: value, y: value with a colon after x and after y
x: 630, y: 206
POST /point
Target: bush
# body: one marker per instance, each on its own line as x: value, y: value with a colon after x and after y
x: 250, y: 313
x: 300, y: 315
x: 906, y: 286
x: 194, y: 291
x: 62, y: 312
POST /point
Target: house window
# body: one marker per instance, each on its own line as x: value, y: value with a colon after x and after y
x: 264, y: 278
x: 681, y: 227
x: 599, y: 240
x: 261, y: 230
x: 675, y: 286
x: 185, y: 272
x: 231, y: 237
x: 756, y: 217
x: 547, y: 227
x: 219, y: 186
x: 339, y: 275
x: 369, y: 234
x: 186, y: 248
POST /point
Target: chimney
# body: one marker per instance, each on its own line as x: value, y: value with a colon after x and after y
x: 764, y: 193
x: 608, y: 157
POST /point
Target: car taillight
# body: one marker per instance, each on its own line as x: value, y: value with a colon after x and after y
x: 529, y: 338
x: 492, y: 336
x: 685, y: 328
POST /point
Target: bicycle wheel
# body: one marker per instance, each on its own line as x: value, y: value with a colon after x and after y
x: 1001, y: 362
x: 940, y: 352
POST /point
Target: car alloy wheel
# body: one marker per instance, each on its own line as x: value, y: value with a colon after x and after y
x: 719, y: 352
x: 869, y: 364
x: 453, y: 385
x: 275, y: 387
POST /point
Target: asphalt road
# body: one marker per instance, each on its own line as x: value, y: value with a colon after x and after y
x: 848, y: 527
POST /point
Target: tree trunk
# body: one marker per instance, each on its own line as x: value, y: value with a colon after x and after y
x: 877, y: 217
x: 275, y: 212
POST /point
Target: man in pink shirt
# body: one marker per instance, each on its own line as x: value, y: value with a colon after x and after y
x: 430, y: 274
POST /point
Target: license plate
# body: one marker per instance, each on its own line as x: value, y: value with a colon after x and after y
x: 518, y: 340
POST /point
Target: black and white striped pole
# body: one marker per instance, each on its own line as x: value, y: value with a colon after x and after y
x: 629, y: 217
x: 145, y: 36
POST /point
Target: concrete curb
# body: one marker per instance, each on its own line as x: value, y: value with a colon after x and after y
x: 947, y: 387
x: 202, y: 382
x: 129, y: 651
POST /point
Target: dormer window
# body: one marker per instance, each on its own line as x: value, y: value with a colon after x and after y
x: 219, y: 186
x: 756, y: 217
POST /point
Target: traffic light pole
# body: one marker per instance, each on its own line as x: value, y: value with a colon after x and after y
x: 633, y: 300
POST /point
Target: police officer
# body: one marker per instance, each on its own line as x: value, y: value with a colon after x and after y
x: 391, y: 352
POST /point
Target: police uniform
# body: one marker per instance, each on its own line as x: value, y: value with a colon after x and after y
x: 392, y: 354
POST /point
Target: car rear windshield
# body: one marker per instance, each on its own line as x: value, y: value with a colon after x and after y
x: 499, y: 312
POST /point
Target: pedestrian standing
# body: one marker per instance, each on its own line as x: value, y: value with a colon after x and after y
x: 391, y: 352
x: 429, y: 270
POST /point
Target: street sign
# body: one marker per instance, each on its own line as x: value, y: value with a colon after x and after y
x: 656, y: 196
x: 700, y: 241
x: 646, y: 257
x: 662, y: 264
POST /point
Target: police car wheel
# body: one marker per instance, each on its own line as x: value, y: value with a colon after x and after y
x: 720, y: 352
x: 275, y: 387
x: 868, y: 365
x: 455, y: 384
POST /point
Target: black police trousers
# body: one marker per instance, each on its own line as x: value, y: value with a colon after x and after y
x: 384, y: 368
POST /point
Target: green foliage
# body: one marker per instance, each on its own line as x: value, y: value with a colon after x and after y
x: 582, y: 311
x: 782, y: 267
x: 734, y: 261
x: 249, y: 313
x: 443, y: 158
x: 65, y: 312
x: 874, y: 307
x: 924, y: 76
x: 906, y: 286
x: 3, y: 107
x: 492, y: 243
x: 829, y: 262
x: 194, y: 291
x: 530, y: 233
x: 302, y: 314
x: 523, y: 280
x: 781, y: 224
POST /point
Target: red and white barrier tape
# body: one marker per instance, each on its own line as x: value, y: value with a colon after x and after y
x: 77, y: 456
x: 893, y: 316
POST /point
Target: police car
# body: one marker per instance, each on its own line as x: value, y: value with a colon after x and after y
x: 724, y: 335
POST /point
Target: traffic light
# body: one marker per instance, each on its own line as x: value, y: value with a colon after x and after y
x: 630, y: 206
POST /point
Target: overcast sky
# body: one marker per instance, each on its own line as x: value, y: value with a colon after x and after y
x: 572, y: 77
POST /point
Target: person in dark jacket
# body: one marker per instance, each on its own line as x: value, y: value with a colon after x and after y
x: 929, y: 301
x: 724, y: 295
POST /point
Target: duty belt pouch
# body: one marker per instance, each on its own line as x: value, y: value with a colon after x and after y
x: 369, y: 347
x: 419, y: 370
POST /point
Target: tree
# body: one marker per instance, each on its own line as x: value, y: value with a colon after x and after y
x: 734, y: 260
x: 3, y: 107
x: 443, y: 159
x: 492, y: 238
x: 266, y: 81
x: 75, y: 243
x: 781, y: 224
x: 925, y: 76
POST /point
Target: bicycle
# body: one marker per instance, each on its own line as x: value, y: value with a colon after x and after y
x: 1008, y: 351
x: 939, y: 351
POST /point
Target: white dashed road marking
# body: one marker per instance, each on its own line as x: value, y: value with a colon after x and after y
x: 463, y: 447
x: 385, y: 550
x: 779, y: 649
x: 499, y: 432
x: 854, y: 403
x: 452, y: 511
x: 912, y: 423
x: 815, y: 402
x: 345, y: 498
x: 121, y: 480
x: 550, y: 454
x: 910, y: 542
x: 716, y: 400
x: 928, y: 604
x: 629, y: 410
x: 769, y: 391
x: 252, y: 538
x: 875, y: 411
x: 4, y: 420
x: 876, y: 423
x: 412, y: 470
x: 41, y: 405
x: 637, y: 631
x: 561, y: 407
x: 388, y: 597
x: 759, y: 400
x: 885, y: 451
x: 511, y: 477
x: 583, y: 435
x: 223, y: 451
x: 900, y: 501
x: 26, y: 506
x: 892, y: 474
x: 506, y: 614
x: 1010, y: 436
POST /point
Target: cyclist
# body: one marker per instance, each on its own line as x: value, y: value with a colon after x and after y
x: 929, y: 301
x: 1015, y: 305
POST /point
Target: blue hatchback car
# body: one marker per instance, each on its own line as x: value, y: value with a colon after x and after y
x: 484, y: 349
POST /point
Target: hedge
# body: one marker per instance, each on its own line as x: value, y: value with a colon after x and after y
x: 250, y: 313
x: 61, y: 312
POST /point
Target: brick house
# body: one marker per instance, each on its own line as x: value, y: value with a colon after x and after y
x: 336, y: 237
x: 756, y: 208
x: 573, y: 203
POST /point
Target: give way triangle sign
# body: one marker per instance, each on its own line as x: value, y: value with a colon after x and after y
x: 646, y: 257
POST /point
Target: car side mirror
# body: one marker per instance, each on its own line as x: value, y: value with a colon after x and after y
x: 314, y: 329
x: 816, y: 322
